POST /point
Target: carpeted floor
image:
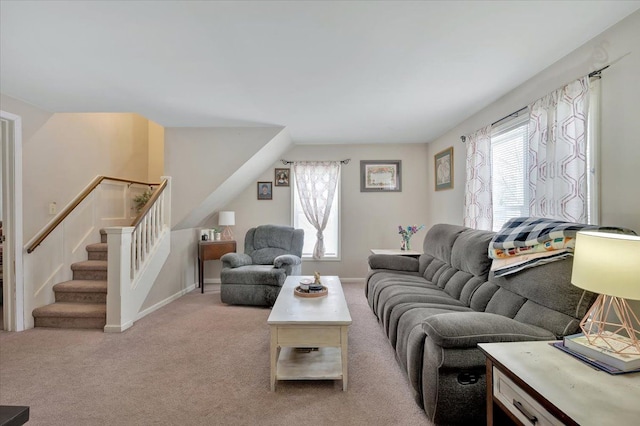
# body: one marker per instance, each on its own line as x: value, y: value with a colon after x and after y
x: 197, y: 361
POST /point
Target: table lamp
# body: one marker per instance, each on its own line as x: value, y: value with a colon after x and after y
x: 227, y: 219
x: 609, y: 264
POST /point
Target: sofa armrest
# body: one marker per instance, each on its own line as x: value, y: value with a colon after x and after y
x: 235, y: 260
x: 467, y: 329
x: 290, y: 263
x: 394, y: 263
x: 284, y: 260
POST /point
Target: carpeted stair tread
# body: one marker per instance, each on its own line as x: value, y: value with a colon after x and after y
x: 90, y: 265
x: 71, y: 310
x: 81, y: 286
x: 97, y: 247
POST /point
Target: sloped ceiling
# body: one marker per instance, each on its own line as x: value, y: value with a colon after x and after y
x: 330, y: 72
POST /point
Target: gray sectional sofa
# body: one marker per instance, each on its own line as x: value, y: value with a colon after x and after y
x: 437, y: 308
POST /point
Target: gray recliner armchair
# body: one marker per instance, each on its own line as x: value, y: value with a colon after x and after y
x: 255, y: 277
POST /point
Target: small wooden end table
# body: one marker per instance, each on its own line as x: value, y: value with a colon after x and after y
x: 397, y: 252
x: 212, y: 250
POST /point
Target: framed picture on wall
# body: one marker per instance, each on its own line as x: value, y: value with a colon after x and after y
x: 265, y: 190
x: 380, y: 175
x: 443, y: 168
x: 282, y: 177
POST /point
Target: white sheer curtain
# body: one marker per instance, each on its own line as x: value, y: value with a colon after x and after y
x: 478, y: 211
x: 316, y: 183
x: 558, y: 169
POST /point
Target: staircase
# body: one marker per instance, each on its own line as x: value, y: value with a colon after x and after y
x: 81, y: 302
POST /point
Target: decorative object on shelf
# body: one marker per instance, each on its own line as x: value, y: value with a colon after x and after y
x: 607, y: 264
x: 282, y: 177
x: 406, y: 234
x: 227, y: 219
x: 142, y: 199
x: 265, y: 190
x: 444, y: 169
x: 380, y: 176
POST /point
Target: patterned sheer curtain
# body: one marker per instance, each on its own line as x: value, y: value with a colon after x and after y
x: 316, y: 183
x: 558, y: 169
x: 478, y: 211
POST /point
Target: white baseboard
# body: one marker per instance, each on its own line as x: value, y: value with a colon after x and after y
x: 164, y: 302
x: 118, y: 328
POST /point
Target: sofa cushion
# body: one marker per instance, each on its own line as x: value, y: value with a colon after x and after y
x: 542, y: 296
x: 439, y: 241
x: 467, y: 329
x: 273, y: 236
x: 254, y: 274
x: 470, y: 252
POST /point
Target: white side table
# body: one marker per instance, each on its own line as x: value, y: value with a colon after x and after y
x: 397, y: 252
x: 535, y: 383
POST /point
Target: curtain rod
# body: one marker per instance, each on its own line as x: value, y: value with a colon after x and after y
x: 593, y: 74
x: 287, y: 162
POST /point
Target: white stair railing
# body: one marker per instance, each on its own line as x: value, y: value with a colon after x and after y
x: 136, y: 255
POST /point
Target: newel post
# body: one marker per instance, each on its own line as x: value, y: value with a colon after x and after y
x: 118, y: 279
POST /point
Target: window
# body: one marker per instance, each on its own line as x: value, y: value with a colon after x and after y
x: 331, y: 232
x: 509, y: 145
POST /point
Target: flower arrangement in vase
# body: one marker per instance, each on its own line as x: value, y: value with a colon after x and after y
x: 406, y: 234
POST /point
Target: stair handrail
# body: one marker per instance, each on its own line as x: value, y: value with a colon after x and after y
x: 154, y: 196
x: 80, y: 198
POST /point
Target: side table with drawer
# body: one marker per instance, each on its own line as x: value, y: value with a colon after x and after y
x: 533, y: 383
x: 212, y: 250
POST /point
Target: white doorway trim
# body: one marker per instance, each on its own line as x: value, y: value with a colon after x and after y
x: 13, y: 287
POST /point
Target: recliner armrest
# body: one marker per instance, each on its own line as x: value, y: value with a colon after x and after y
x: 467, y: 329
x: 235, y: 260
x: 393, y: 263
x: 285, y: 260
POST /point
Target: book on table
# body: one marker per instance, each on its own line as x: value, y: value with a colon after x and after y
x: 602, y: 352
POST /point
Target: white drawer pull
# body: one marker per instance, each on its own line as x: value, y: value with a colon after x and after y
x: 533, y: 419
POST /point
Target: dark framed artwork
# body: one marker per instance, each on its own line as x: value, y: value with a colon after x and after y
x: 282, y: 177
x: 443, y: 167
x: 380, y: 176
x: 265, y: 190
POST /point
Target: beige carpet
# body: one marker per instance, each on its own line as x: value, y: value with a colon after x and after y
x: 197, y: 361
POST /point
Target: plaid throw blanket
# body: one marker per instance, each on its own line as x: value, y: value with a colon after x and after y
x: 525, y: 242
x: 531, y: 231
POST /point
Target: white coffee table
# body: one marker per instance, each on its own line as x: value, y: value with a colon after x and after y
x: 319, y: 322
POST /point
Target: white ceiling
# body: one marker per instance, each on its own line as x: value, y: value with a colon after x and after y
x: 331, y: 72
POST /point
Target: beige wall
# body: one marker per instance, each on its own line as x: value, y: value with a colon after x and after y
x: 368, y: 220
x: 67, y: 153
x: 156, y: 152
x: 620, y: 149
x: 62, y: 153
x: 200, y: 159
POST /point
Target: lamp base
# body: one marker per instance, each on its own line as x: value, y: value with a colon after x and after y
x: 610, y: 321
x: 227, y: 233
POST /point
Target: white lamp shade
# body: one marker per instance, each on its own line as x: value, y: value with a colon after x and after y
x: 227, y: 218
x: 608, y: 264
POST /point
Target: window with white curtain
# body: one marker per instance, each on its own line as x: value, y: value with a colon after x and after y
x: 509, y: 145
x: 331, y: 232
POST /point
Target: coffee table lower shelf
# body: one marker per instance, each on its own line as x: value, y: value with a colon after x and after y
x: 321, y: 364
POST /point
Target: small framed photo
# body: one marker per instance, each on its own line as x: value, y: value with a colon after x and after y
x: 265, y: 190
x: 380, y: 176
x: 282, y: 177
x: 444, y: 169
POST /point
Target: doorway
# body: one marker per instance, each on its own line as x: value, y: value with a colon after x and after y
x: 11, y: 188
